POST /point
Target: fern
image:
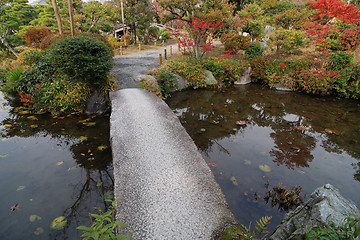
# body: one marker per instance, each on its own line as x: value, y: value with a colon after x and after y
x: 262, y: 224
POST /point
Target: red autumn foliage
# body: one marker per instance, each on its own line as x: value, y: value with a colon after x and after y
x: 195, y: 35
x: 34, y: 36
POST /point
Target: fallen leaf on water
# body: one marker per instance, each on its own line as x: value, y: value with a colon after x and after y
x: 33, y: 126
x: 102, y: 148
x: 233, y: 179
x: 20, y: 188
x: 14, y: 207
x: 262, y: 152
x: 247, y: 162
x: 60, y: 163
x: 84, y: 120
x: 211, y: 164
x: 24, y: 112
x: 215, y: 122
x: 300, y: 128
x: 39, y: 231
x: 7, y: 126
x: 4, y: 139
x: 34, y: 217
x: 4, y: 155
x: 300, y: 171
x: 89, y: 124
x: 32, y: 118
x: 241, y: 123
x: 203, y: 130
x: 99, y: 184
x: 265, y: 168
x: 329, y: 131
x: 73, y: 168
x: 82, y: 138
x: 58, y: 223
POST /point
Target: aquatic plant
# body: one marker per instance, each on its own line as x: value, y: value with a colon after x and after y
x: 285, y: 198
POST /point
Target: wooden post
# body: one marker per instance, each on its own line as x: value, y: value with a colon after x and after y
x: 178, y: 47
x: 139, y: 47
x: 155, y: 44
x: 121, y: 51
x: 165, y: 54
x: 160, y: 59
x: 163, y: 43
x: 170, y: 51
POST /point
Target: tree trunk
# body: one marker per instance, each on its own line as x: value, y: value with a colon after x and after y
x: 71, y: 18
x: 146, y: 36
x: 58, y: 18
x: 8, y: 46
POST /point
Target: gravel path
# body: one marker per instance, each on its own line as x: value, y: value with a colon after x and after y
x: 128, y: 67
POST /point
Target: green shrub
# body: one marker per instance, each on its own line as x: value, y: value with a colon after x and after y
x: 127, y: 38
x: 340, y: 59
x: 253, y: 49
x: 61, y: 95
x: 349, y: 39
x: 82, y: 58
x: 280, y: 7
x: 318, y: 82
x: 228, y: 35
x: 194, y: 74
x: 234, y: 44
x: 226, y: 71
x: 287, y: 39
x: 350, y: 230
x: 167, y: 83
x: 164, y: 34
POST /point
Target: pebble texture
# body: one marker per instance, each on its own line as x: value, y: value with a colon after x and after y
x: 167, y: 190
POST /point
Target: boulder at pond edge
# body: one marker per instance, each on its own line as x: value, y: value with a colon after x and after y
x: 324, y: 206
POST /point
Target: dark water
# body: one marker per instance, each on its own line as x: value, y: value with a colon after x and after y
x: 49, y: 172
x: 327, y: 152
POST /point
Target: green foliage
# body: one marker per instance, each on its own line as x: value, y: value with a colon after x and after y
x: 164, y: 34
x: 253, y: 49
x: 290, y: 18
x: 287, y: 39
x: 104, y: 226
x: 347, y: 82
x: 12, y: 76
x: 236, y: 233
x: 82, y: 58
x: 226, y: 71
x: 348, y: 231
x: 167, y: 83
x: 280, y: 7
x: 234, y: 44
x: 194, y: 74
x: 127, y: 38
x: 340, y: 59
x: 315, y: 82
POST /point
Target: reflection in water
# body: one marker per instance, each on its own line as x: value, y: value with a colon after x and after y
x: 63, y: 166
x: 291, y: 138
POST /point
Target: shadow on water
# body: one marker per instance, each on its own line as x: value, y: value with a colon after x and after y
x: 51, y: 167
x: 291, y: 138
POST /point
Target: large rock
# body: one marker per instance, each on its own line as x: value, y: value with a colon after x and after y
x: 324, y: 206
x: 97, y: 103
x: 245, y: 79
x: 209, y: 78
x: 181, y: 82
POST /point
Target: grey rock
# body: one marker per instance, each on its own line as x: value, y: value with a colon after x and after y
x: 96, y: 104
x: 209, y: 78
x: 149, y: 83
x: 324, y: 206
x: 141, y: 77
x: 164, y: 186
x: 269, y: 30
x: 245, y: 79
x: 181, y: 82
x: 283, y: 88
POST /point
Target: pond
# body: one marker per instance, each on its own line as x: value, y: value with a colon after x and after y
x: 254, y: 138
x: 51, y: 167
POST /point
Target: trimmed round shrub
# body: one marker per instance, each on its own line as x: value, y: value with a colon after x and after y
x: 253, y: 49
x: 128, y: 39
x: 82, y: 58
x: 34, y: 36
x: 164, y: 34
